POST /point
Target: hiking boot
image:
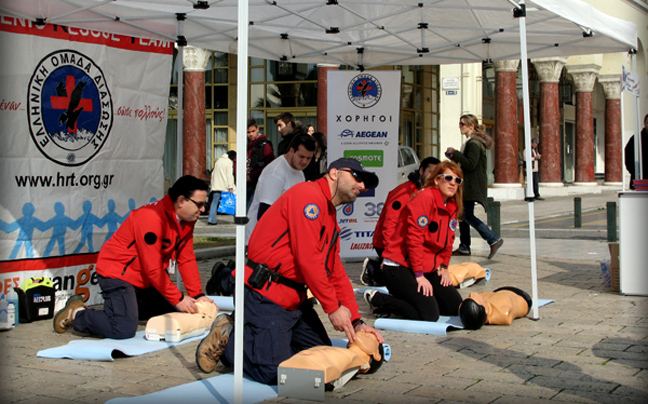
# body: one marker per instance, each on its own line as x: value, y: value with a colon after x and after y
x: 64, y: 318
x: 213, y: 345
x: 365, y: 277
x: 496, y: 246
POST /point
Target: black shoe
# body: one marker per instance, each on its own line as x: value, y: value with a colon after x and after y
x: 212, y: 224
x: 212, y: 287
x: 365, y: 276
x: 496, y: 246
x: 460, y: 252
x: 539, y: 198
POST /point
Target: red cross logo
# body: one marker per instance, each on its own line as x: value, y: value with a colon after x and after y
x: 71, y: 102
x: 363, y: 87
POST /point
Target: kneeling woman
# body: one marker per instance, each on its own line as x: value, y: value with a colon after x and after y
x: 416, y: 259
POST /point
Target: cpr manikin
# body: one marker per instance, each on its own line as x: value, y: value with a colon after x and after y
x: 178, y: 326
x: 466, y: 273
x: 500, y: 307
x: 364, y: 355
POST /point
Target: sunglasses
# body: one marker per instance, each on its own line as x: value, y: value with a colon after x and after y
x: 449, y: 178
x: 356, y: 176
x: 461, y: 123
x: 199, y: 205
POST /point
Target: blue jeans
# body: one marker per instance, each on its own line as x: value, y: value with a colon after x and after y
x: 213, y: 209
x: 469, y: 219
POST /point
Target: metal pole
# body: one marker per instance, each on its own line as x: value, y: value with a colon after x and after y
x: 495, y: 222
x: 578, y: 219
x: 612, y: 222
x: 637, y: 139
x: 180, y: 125
x: 520, y: 13
x: 240, y: 219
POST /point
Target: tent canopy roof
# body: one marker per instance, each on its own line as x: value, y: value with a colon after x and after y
x: 353, y: 32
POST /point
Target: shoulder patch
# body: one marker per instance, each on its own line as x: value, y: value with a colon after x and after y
x: 453, y: 224
x: 150, y: 238
x: 423, y: 221
x: 311, y: 211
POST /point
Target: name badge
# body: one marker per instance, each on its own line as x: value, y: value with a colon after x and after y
x: 172, y: 266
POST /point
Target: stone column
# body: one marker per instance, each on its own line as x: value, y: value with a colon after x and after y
x: 194, y: 132
x: 506, y: 125
x: 322, y: 97
x: 613, y: 139
x: 584, y: 79
x: 549, y: 70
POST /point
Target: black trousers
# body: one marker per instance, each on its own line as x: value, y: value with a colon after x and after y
x: 404, y: 300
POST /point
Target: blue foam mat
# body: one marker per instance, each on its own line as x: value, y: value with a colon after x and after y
x: 217, y: 389
x: 439, y: 327
x: 106, y: 349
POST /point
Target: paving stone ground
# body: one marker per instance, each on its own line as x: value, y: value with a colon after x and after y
x: 590, y: 346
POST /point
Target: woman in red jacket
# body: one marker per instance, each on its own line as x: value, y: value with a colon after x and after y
x: 416, y: 259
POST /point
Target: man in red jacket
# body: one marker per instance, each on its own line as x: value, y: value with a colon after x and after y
x: 135, y: 264
x: 294, y: 245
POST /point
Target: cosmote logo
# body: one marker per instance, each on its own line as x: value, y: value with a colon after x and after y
x: 69, y: 107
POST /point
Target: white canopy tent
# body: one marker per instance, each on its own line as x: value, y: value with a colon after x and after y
x: 359, y: 33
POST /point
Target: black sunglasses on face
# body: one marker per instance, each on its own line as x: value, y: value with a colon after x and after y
x: 449, y: 178
x: 356, y: 176
x: 199, y: 205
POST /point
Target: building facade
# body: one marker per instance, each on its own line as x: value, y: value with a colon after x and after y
x: 577, y: 109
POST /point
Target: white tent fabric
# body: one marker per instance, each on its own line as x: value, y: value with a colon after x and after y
x: 354, y: 32
x: 360, y: 33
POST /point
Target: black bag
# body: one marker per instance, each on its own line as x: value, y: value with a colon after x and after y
x: 36, y: 299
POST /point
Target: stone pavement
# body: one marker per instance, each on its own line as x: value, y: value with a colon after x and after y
x: 590, y: 346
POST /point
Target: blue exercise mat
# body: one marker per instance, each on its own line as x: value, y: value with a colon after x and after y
x: 218, y: 389
x: 106, y: 349
x: 439, y: 327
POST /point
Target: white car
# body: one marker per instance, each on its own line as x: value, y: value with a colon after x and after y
x: 407, y: 162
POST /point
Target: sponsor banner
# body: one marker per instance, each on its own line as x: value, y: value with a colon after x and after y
x: 363, y: 118
x: 630, y: 81
x: 84, y: 117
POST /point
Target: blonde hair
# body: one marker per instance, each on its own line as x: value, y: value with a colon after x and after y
x: 479, y: 131
x: 440, y: 169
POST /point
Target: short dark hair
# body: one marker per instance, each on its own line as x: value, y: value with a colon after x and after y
x: 303, y: 140
x: 426, y: 162
x: 252, y: 122
x: 185, y: 186
x: 285, y: 117
x: 232, y: 155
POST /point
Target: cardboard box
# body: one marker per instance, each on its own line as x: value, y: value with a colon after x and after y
x: 614, y: 266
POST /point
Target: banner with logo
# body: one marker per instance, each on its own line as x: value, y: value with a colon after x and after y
x: 83, y: 119
x: 363, y: 121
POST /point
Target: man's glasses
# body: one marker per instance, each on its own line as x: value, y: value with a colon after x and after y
x: 449, y: 178
x: 199, y: 205
x: 356, y: 176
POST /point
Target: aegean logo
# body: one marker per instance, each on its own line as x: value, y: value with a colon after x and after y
x: 69, y: 107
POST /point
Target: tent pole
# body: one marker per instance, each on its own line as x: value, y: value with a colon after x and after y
x: 521, y: 14
x: 180, y: 124
x: 241, y: 168
x: 637, y: 139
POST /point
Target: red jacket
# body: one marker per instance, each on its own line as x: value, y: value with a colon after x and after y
x: 396, y: 201
x: 299, y: 236
x: 425, y: 233
x: 259, y: 155
x: 140, y: 250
